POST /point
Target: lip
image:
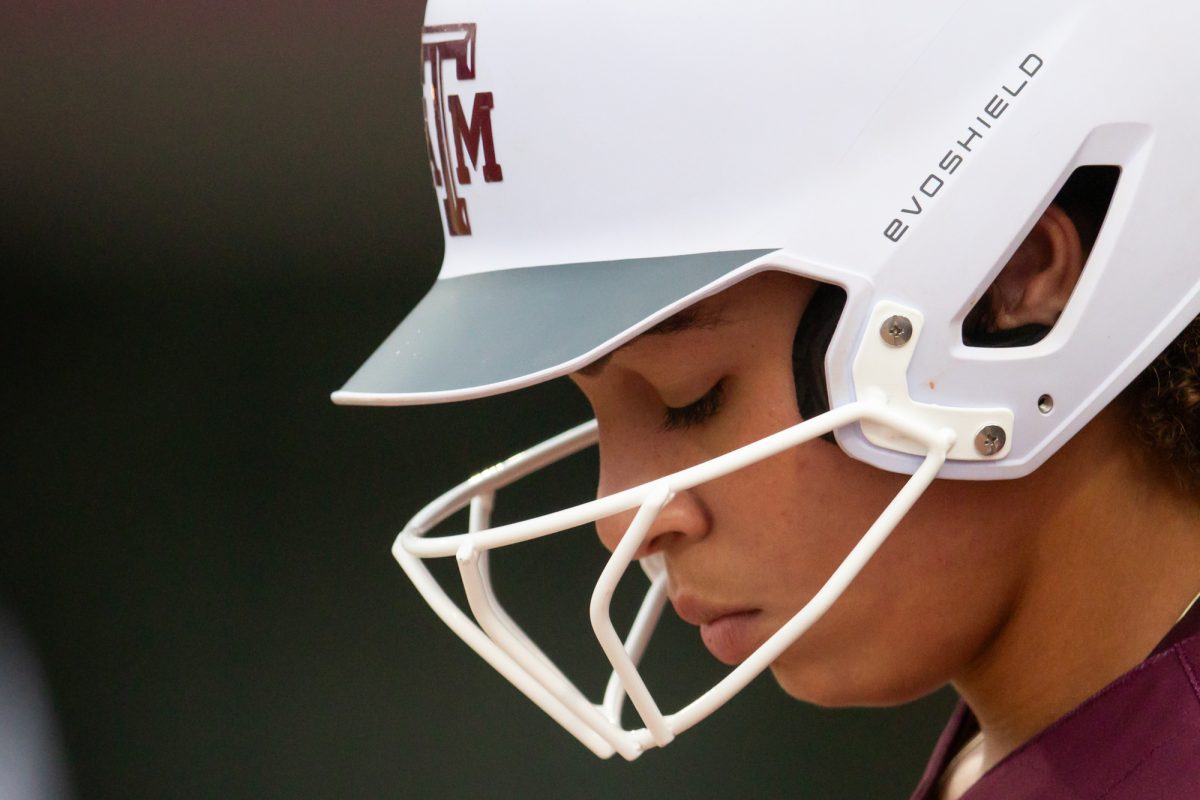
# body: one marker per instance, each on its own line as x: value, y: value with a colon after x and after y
x: 729, y: 633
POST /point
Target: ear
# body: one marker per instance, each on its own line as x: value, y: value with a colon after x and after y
x: 1033, y: 288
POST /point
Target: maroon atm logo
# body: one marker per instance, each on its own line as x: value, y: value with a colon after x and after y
x: 454, y: 137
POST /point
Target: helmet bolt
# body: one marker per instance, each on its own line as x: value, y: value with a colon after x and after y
x: 896, y: 331
x: 990, y: 440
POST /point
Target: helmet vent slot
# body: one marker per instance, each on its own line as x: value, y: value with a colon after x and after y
x: 1085, y: 199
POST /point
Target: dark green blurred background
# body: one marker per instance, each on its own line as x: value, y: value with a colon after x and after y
x: 211, y: 215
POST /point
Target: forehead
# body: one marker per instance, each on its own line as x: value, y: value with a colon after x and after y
x: 764, y: 294
x: 704, y: 315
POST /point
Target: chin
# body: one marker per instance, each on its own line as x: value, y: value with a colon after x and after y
x: 833, y: 687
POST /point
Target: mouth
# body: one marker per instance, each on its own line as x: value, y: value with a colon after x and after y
x: 730, y: 634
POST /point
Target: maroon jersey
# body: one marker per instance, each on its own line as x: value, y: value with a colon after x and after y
x: 1136, y: 739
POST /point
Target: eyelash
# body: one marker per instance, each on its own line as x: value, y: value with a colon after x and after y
x: 695, y: 413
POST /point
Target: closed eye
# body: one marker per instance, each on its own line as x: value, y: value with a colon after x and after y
x: 695, y: 413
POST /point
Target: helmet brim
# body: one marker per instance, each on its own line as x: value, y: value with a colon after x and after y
x: 493, y: 332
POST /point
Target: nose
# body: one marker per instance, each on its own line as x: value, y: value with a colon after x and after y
x: 633, y: 455
x: 684, y: 519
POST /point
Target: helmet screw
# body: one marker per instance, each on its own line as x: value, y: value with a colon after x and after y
x: 990, y: 440
x: 896, y: 331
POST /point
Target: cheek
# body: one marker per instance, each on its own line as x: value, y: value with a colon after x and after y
x: 782, y: 526
x: 920, y: 610
x: 829, y: 501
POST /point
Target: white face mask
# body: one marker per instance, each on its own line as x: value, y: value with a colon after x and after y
x: 503, y: 644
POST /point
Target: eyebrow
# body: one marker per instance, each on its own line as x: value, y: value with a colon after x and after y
x: 689, y: 319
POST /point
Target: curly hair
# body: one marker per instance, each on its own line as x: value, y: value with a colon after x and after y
x: 1164, y: 401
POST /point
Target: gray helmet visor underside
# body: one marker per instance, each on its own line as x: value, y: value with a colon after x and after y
x: 487, y: 333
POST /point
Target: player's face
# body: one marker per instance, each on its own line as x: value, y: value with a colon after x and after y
x: 746, y: 551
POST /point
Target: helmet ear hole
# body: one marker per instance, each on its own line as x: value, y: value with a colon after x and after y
x: 813, y: 334
x: 1002, y: 317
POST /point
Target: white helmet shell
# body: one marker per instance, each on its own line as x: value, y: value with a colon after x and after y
x: 613, y: 163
